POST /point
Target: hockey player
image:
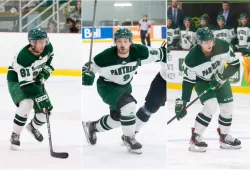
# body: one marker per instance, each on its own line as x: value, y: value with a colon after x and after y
x: 32, y: 64
x: 173, y: 33
x: 243, y: 35
x: 187, y: 34
x: 204, y: 22
x: 224, y: 32
x: 116, y: 67
x: 204, y: 67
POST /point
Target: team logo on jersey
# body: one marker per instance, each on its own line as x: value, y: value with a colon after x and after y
x: 221, y: 35
x: 210, y: 69
x: 242, y: 32
x: 123, y: 70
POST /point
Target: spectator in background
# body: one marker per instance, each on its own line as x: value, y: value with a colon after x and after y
x: 51, y: 27
x: 176, y: 13
x: 70, y: 26
x: 230, y: 17
x: 144, y: 27
x: 77, y: 11
x: 78, y: 25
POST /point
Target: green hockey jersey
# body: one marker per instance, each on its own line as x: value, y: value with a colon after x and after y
x: 226, y: 33
x: 121, y: 70
x: 188, y: 38
x: 173, y: 35
x: 26, y: 66
x: 243, y: 36
x: 198, y: 67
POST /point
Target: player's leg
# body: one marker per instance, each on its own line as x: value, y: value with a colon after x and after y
x: 210, y: 105
x: 155, y: 98
x: 105, y: 123
x: 225, y: 98
x: 148, y: 40
x: 127, y: 105
x: 143, y: 37
x: 37, y: 122
x: 24, y: 106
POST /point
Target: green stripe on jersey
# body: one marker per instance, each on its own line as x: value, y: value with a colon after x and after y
x: 23, y: 83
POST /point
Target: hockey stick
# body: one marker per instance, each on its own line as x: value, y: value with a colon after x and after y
x: 92, y: 36
x: 62, y: 155
x: 186, y: 107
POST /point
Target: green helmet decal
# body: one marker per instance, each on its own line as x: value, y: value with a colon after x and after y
x: 187, y: 19
x: 124, y: 33
x: 204, y: 34
x: 243, y: 15
x: 220, y: 17
x: 37, y: 34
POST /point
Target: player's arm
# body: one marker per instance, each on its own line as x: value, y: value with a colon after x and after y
x: 148, y: 54
x: 88, y: 76
x: 189, y: 80
x: 233, y: 38
x: 48, y: 67
x: 233, y: 64
x: 188, y: 83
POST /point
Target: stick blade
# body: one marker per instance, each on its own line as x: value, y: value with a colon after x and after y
x: 62, y: 155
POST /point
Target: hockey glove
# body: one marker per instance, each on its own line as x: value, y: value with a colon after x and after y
x: 217, y: 81
x: 43, y: 102
x: 179, y: 105
x: 45, y: 73
x: 88, y: 78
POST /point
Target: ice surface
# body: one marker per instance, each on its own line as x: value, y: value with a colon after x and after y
x: 67, y: 133
x: 179, y: 134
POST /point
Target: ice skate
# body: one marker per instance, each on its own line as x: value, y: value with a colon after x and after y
x: 132, y: 145
x: 196, y: 143
x: 228, y: 142
x: 90, y: 132
x: 34, y: 132
x: 14, y: 141
x: 122, y: 137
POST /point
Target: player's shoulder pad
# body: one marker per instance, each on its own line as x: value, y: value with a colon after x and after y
x: 25, y: 58
x: 221, y: 46
x: 106, y: 57
x: 193, y: 58
x: 49, y: 47
x: 139, y: 51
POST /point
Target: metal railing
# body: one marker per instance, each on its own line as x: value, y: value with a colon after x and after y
x: 40, y: 10
x: 55, y: 13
